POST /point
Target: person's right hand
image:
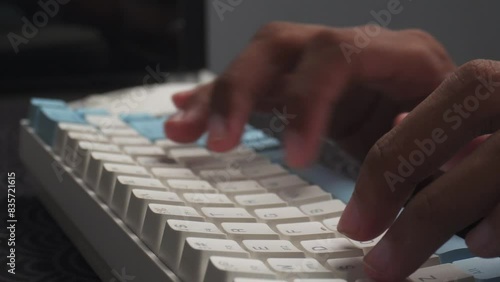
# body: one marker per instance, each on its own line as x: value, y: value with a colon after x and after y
x: 322, y: 76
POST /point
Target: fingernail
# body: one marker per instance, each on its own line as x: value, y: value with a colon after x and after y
x: 179, y: 116
x: 293, y: 146
x: 217, y: 128
x: 483, y: 238
x: 350, y: 221
x: 378, y: 259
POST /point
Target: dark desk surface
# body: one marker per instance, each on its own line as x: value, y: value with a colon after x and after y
x: 43, y: 252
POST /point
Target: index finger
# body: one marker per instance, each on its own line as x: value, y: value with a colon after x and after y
x: 460, y: 109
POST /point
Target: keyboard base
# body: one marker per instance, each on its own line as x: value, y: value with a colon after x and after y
x: 110, y: 248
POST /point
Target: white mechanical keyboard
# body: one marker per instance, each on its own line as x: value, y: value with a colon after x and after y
x: 143, y: 208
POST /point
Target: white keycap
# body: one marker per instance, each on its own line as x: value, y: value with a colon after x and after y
x: 443, y: 272
x: 153, y: 162
x: 130, y: 141
x: 332, y: 223
x: 323, y: 210
x: 218, y: 163
x: 122, y: 132
x: 292, y: 268
x: 106, y: 185
x: 350, y: 269
x: 138, y: 205
x: 175, y: 234
x: 264, y: 249
x: 222, y: 175
x: 263, y: 171
x: 303, y: 231
x: 173, y: 173
x: 93, y: 171
x: 304, y: 195
x: 168, y: 145
x: 68, y: 152
x: 245, y: 187
x: 143, y: 151
x: 197, y: 252
x: 249, y: 231
x: 282, y: 215
x: 62, y: 134
x: 156, y: 217
x: 199, y: 200
x: 82, y: 156
x: 260, y: 201
x: 274, y: 184
x: 123, y: 189
x: 226, y: 269
x: 323, y: 249
x: 105, y: 121
x: 190, y: 186
x: 185, y: 155
x: 219, y: 215
x: 367, y: 246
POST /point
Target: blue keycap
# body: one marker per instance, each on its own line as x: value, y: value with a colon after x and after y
x: 39, y: 103
x: 453, y: 250
x: 92, y: 111
x: 264, y: 144
x: 50, y: 117
x: 128, y: 118
x: 152, y: 129
x: 484, y: 270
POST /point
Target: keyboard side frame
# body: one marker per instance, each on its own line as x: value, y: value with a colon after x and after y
x: 73, y: 204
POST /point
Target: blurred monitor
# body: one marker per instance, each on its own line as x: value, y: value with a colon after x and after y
x: 69, y: 44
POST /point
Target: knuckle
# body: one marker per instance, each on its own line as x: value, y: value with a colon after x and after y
x: 474, y: 69
x: 270, y: 30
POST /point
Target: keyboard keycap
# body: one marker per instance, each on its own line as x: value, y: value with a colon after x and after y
x: 303, y: 231
x: 483, y: 270
x: 110, y: 171
x: 93, y: 170
x: 324, y: 210
x: 138, y: 205
x: 190, y: 186
x: 219, y: 215
x: 62, y: 134
x: 304, y: 195
x: 48, y: 120
x: 105, y: 122
x: 263, y: 171
x: 226, y: 269
x: 274, y: 184
x: 264, y: 249
x: 291, y: 268
x: 37, y: 104
x: 143, y: 151
x: 249, y: 231
x: 197, y: 252
x: 168, y: 145
x: 174, y: 173
x: 443, y: 272
x: 199, y: 200
x: 367, y: 246
x: 175, y: 234
x: 82, y: 156
x: 130, y: 141
x: 260, y: 201
x: 156, y: 218
x: 245, y: 187
x: 282, y: 215
x: 152, y: 162
x: 122, y: 132
x: 324, y: 249
x: 123, y: 189
x: 350, y: 269
x: 185, y: 155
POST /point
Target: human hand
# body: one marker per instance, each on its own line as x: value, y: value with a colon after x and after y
x: 463, y: 107
x: 325, y: 77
